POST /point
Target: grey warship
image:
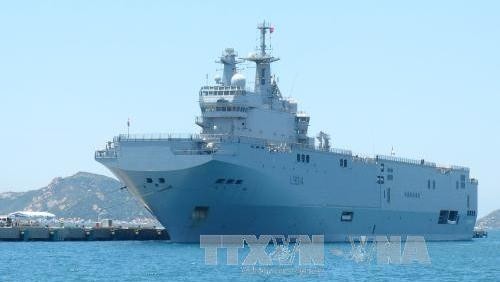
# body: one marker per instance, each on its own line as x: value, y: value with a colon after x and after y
x: 253, y: 169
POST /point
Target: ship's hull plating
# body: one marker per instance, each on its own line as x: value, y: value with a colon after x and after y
x: 190, y: 202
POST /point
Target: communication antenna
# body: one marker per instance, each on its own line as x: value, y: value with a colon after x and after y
x: 293, y: 84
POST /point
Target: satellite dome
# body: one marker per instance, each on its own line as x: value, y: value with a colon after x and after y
x: 238, y: 80
x: 217, y: 78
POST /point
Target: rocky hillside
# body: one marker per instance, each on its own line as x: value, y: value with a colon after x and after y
x: 490, y: 221
x: 83, y: 195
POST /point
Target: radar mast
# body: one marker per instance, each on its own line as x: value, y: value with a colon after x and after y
x: 263, y: 63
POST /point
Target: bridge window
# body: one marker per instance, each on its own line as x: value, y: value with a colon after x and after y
x: 149, y: 180
x: 161, y: 180
x: 239, y: 181
x: 307, y: 158
x: 220, y: 180
x: 298, y: 157
x: 230, y: 181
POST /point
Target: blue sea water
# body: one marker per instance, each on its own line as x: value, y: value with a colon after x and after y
x: 476, y: 260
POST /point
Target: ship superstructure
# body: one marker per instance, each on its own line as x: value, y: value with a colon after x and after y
x: 253, y: 169
x: 228, y: 108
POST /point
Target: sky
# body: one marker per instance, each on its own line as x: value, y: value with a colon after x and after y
x: 422, y: 77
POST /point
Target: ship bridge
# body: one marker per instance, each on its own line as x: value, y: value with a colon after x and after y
x: 221, y: 106
x: 221, y: 90
x: 228, y: 107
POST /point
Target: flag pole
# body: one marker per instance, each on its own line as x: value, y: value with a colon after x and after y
x: 128, y: 127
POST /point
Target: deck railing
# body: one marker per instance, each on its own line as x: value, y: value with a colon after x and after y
x: 405, y: 160
x: 156, y: 137
x: 269, y: 144
x: 104, y: 154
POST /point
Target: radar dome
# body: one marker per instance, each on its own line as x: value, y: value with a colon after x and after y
x: 217, y: 78
x: 238, y: 80
x: 252, y: 55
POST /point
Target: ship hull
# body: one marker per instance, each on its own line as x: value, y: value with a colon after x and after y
x: 222, y: 195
